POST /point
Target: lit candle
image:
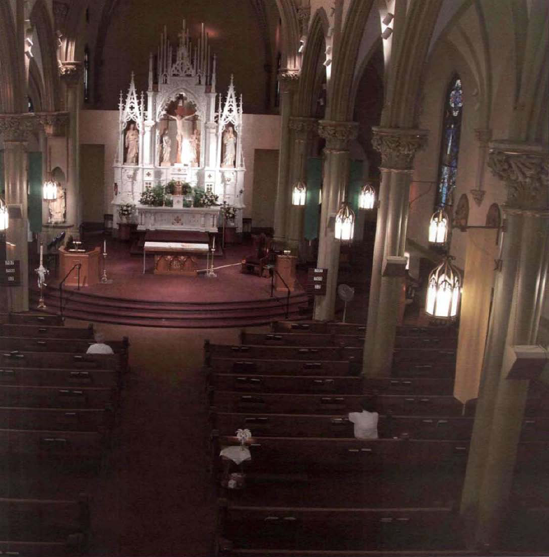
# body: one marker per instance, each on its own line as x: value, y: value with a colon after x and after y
x: 41, y: 254
x: 104, y: 246
x: 213, y: 244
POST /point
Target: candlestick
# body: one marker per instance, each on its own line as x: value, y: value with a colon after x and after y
x: 104, y: 246
x: 213, y: 244
x: 41, y: 255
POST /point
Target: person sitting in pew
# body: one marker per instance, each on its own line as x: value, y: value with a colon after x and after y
x: 365, y: 421
x: 99, y: 347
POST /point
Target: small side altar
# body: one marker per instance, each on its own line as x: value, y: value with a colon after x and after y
x: 199, y: 219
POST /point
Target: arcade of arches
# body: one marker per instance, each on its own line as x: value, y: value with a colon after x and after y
x: 178, y: 131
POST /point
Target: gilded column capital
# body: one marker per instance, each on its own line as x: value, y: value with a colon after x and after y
x: 17, y: 127
x: 71, y: 72
x: 338, y: 135
x: 398, y: 147
x: 53, y: 122
x: 524, y: 168
x: 289, y: 80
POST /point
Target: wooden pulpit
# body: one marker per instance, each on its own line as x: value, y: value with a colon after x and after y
x: 89, y: 272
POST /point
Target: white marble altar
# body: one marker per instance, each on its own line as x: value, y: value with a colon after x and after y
x: 187, y: 132
x: 199, y: 219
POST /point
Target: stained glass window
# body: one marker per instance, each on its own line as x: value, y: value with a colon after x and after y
x: 453, y: 108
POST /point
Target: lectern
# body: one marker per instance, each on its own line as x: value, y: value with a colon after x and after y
x: 89, y: 272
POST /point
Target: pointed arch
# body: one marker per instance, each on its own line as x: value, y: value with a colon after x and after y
x: 290, y: 34
x: 11, y: 98
x: 311, y: 62
x: 41, y: 20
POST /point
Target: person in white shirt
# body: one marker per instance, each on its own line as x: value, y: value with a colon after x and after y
x: 365, y: 421
x: 99, y: 347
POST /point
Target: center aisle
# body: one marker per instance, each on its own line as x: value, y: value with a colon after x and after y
x: 155, y: 498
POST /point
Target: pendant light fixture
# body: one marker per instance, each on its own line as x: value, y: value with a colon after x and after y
x: 4, y: 216
x: 367, y: 197
x: 49, y: 188
x: 345, y: 223
x: 444, y: 291
x: 439, y: 227
x: 299, y: 193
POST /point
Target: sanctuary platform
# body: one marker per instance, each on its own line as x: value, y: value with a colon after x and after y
x: 232, y: 299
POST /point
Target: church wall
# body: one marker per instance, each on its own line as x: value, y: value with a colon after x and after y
x: 100, y: 127
x: 92, y: 163
x: 264, y: 187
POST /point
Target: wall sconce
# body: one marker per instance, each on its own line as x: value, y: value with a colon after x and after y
x: 299, y: 194
x: 4, y: 216
x: 439, y: 227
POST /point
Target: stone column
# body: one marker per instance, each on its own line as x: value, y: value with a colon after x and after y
x: 483, y: 136
x: 288, y: 80
x: 338, y: 135
x: 516, y: 308
x: 303, y: 132
x: 15, y: 129
x: 71, y: 74
x: 398, y: 148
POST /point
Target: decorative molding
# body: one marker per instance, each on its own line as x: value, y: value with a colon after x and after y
x: 288, y: 79
x: 71, y: 72
x: 17, y: 127
x: 53, y: 122
x: 338, y: 135
x: 524, y: 168
x: 302, y: 124
x: 478, y: 196
x: 303, y: 17
x: 398, y: 147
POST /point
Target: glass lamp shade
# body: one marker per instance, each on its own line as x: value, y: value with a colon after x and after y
x: 345, y: 223
x: 367, y: 197
x: 438, y: 228
x: 49, y: 190
x: 299, y: 194
x: 320, y: 196
x: 4, y: 216
x: 443, y: 291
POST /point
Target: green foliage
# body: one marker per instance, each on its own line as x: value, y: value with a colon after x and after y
x: 153, y: 197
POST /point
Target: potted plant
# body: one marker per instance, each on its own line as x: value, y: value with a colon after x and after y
x: 125, y: 213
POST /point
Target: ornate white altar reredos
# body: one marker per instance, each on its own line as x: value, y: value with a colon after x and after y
x: 184, y: 131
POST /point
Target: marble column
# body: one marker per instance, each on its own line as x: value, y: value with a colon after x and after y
x: 288, y: 80
x: 71, y: 75
x: 518, y: 294
x: 303, y: 132
x: 338, y: 135
x: 398, y: 148
x: 15, y: 129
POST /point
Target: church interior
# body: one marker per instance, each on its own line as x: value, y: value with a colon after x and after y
x: 273, y: 278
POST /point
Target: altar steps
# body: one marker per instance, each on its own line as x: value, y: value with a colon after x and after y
x: 103, y: 309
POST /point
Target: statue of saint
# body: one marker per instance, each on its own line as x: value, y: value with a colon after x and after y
x: 229, y: 147
x: 58, y: 208
x: 132, y: 144
x: 194, y: 148
x: 166, y: 148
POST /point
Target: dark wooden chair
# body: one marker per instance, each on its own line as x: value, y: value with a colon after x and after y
x: 262, y: 256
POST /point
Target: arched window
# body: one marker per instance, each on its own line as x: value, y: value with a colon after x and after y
x: 86, y: 74
x: 449, y: 152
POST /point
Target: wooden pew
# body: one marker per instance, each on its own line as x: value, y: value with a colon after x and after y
x: 59, y: 377
x: 60, y: 360
x: 317, y: 353
x: 423, y: 356
x: 55, y: 397
x: 435, y: 370
x: 56, y: 419
x: 27, y: 318
x: 227, y: 549
x: 285, y: 383
x: 44, y: 528
x: 334, y: 339
x: 337, y: 426
x: 321, y: 383
x: 299, y: 454
x: 46, y: 331
x: 58, y: 345
x: 324, y: 327
x: 75, y: 445
x: 278, y: 367
x: 261, y: 527
x: 285, y: 403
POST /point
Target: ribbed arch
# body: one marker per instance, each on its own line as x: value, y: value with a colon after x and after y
x: 11, y: 99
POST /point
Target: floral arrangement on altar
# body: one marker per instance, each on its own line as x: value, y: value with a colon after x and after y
x: 126, y: 211
x: 204, y: 198
x: 153, y: 196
